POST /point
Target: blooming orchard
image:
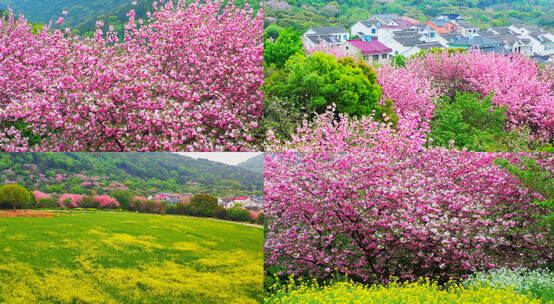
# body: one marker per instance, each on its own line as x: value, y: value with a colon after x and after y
x: 376, y: 215
x: 516, y: 81
x: 188, y: 78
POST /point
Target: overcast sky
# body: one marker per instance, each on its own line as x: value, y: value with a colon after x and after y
x: 229, y: 158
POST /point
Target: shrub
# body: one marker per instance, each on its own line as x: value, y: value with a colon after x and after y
x: 467, y: 121
x: 238, y: 214
x: 260, y: 220
x: 319, y: 80
x: 220, y: 212
x: 422, y: 292
x: 439, y: 214
x: 47, y: 203
x: 539, y: 283
x: 88, y: 202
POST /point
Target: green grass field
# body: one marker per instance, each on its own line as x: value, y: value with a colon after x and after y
x: 100, y: 257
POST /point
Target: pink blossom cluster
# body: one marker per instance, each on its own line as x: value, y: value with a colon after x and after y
x: 106, y: 201
x: 326, y: 133
x: 336, y: 51
x: 39, y: 195
x: 87, y: 184
x: 375, y: 216
x: 75, y: 200
x: 188, y: 78
x: 516, y: 81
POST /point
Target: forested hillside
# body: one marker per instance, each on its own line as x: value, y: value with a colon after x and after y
x: 145, y: 173
x: 302, y: 14
x: 255, y: 164
x: 83, y: 14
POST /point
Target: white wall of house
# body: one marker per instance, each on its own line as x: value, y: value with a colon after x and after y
x: 397, y: 48
x: 359, y: 27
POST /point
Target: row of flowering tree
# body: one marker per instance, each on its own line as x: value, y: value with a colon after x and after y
x: 187, y: 78
x: 374, y: 216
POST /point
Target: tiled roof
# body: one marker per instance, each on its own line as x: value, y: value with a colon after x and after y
x: 327, y: 30
x: 481, y: 42
x: 386, y: 16
x: 467, y: 24
x: 411, y: 20
x: 439, y: 22
x: 540, y: 37
x: 407, y: 41
x: 406, y: 34
x: 450, y: 36
x: 240, y: 198
x: 317, y: 38
x: 403, y: 23
x: 502, y: 30
x: 370, y: 47
x: 429, y: 45
x: 370, y: 23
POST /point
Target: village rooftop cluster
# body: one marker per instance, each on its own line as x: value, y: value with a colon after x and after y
x: 252, y: 203
x: 382, y: 36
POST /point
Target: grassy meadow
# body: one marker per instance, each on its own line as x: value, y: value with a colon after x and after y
x: 100, y: 257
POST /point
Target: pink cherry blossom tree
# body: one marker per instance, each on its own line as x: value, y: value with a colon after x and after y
x: 106, y: 201
x: 376, y: 215
x: 188, y: 78
x: 74, y: 199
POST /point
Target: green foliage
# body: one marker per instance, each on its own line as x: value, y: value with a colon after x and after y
x: 88, y: 202
x: 238, y: 214
x: 46, y: 203
x: 16, y: 196
x: 398, y: 60
x: 318, y: 80
x: 260, y: 220
x: 204, y: 203
x: 468, y: 121
x: 255, y: 164
x: 220, y: 212
x: 537, y: 180
x: 23, y: 127
x: 287, y: 43
x: 450, y: 51
x: 123, y: 197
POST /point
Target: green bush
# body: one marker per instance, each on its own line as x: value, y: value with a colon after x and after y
x: 537, y: 180
x: 260, y: 220
x: 317, y: 81
x: 47, y: 203
x: 220, y: 212
x: 467, y: 121
x: 88, y: 202
x: 238, y: 214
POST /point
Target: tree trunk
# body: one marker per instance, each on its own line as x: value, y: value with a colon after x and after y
x: 14, y: 210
